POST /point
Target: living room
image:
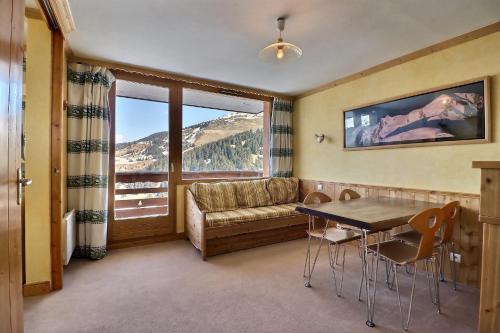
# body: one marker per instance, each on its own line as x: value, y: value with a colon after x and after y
x: 258, y: 166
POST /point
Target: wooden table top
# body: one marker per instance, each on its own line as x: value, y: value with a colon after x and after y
x: 369, y: 213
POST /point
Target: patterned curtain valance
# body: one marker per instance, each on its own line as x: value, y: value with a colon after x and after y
x: 88, y: 147
x: 281, y: 138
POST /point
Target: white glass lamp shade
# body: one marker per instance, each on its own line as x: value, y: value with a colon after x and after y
x: 280, y: 52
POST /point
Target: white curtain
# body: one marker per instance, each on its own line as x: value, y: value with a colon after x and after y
x: 88, y: 146
x: 281, y: 138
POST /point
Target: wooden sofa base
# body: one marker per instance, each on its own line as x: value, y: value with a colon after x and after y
x: 235, y: 237
x: 254, y: 239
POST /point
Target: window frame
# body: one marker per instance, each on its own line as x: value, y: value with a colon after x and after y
x: 190, y: 177
x: 176, y: 87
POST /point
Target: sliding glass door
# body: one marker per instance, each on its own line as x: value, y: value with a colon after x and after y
x: 140, y: 189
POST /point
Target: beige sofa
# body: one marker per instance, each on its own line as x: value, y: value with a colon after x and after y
x: 229, y: 216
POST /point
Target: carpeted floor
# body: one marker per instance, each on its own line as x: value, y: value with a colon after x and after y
x: 167, y: 288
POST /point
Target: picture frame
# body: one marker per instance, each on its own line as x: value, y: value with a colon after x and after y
x: 457, y: 113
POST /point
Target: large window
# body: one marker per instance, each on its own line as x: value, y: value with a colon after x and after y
x: 222, y: 135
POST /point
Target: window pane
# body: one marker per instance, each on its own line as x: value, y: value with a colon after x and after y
x: 221, y: 133
x: 141, y: 130
x: 141, y: 150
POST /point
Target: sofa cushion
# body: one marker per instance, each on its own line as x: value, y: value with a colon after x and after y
x: 252, y: 193
x: 283, y: 190
x: 215, y: 197
x: 247, y: 215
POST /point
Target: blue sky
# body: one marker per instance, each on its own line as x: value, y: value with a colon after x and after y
x: 137, y: 118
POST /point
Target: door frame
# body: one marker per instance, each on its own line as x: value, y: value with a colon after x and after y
x: 151, y: 230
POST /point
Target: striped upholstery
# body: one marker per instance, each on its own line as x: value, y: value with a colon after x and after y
x: 283, y: 190
x: 252, y: 193
x: 215, y: 197
x: 242, y: 215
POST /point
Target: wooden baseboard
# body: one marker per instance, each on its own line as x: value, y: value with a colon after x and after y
x: 36, y: 289
x: 144, y: 241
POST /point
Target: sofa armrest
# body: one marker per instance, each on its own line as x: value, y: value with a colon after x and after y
x: 195, y: 223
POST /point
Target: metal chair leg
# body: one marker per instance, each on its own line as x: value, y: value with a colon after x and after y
x: 453, y: 266
x: 405, y: 323
x: 343, y: 266
x: 311, y: 269
x: 442, y: 255
x: 308, y: 255
x: 388, y: 271
x: 331, y: 257
x: 362, y: 280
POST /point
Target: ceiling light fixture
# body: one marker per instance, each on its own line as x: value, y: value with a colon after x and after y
x: 280, y: 51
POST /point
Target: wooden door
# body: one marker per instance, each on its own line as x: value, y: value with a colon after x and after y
x: 141, y: 189
x: 11, y: 66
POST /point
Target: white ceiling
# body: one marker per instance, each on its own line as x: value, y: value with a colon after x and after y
x: 220, y: 39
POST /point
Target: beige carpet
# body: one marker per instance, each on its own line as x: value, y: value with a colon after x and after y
x: 167, y: 288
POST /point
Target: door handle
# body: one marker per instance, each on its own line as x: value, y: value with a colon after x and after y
x: 25, y: 182
x: 21, y: 182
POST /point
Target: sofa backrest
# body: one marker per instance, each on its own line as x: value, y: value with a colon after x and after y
x: 231, y: 195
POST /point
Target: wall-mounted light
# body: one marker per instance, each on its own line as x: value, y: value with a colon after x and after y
x: 319, y: 138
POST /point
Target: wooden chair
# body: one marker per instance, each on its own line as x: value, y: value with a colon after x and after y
x: 348, y: 193
x: 335, y: 237
x: 443, y: 242
x: 399, y: 253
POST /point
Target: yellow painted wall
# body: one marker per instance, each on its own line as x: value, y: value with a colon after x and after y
x: 446, y: 168
x: 37, y: 128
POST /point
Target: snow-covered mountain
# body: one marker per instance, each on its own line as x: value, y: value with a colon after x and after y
x: 236, y: 130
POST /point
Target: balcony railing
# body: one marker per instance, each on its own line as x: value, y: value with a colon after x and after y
x: 192, y: 175
x: 141, y: 194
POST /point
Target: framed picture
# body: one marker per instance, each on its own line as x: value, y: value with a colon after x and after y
x: 454, y: 114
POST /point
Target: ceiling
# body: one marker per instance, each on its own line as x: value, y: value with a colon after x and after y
x: 220, y: 39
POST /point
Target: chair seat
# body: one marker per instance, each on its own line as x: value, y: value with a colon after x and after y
x: 335, y: 235
x: 394, y: 250
x: 413, y: 238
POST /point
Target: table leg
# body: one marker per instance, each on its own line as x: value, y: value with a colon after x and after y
x: 370, y: 297
x: 308, y: 255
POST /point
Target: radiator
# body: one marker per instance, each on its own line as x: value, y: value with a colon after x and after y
x: 68, y: 236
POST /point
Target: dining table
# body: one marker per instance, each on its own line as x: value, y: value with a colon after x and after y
x: 371, y: 216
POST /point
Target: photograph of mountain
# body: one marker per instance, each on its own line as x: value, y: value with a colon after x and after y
x: 453, y: 114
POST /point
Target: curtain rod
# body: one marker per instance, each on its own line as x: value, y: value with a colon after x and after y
x: 228, y: 89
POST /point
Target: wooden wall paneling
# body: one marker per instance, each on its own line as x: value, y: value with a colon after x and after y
x: 384, y: 192
x: 470, y: 241
x: 467, y: 231
x: 489, y: 302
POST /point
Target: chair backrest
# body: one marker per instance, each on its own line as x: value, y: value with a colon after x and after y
x: 450, y: 213
x: 348, y: 192
x: 427, y: 229
x: 316, y: 197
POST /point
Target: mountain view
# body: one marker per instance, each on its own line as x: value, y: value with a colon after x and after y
x: 232, y: 142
